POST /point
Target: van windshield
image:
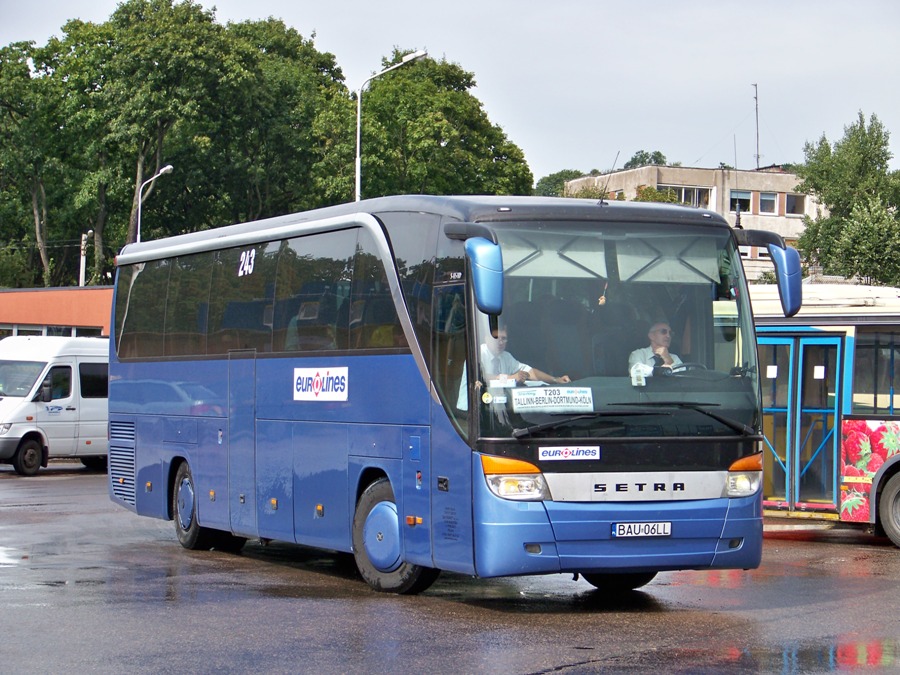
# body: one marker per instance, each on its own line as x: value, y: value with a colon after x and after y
x: 17, y: 378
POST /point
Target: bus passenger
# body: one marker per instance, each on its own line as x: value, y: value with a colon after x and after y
x: 657, y: 355
x: 500, y: 364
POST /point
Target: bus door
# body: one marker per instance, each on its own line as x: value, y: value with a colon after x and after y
x: 241, y: 441
x: 800, y: 382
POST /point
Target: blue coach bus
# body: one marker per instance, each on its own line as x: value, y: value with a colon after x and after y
x: 318, y: 378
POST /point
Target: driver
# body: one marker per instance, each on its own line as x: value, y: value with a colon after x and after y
x: 657, y: 355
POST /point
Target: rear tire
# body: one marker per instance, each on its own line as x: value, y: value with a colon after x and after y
x: 889, y: 509
x: 28, y: 457
x: 377, y: 545
x: 619, y: 583
x: 184, y: 513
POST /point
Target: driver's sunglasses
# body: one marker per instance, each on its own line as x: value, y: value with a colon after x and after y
x: 665, y: 331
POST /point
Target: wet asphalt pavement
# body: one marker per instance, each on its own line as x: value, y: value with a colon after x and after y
x: 87, y: 587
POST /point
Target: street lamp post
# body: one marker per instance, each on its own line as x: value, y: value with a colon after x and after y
x: 84, y: 239
x: 414, y: 56
x: 166, y: 169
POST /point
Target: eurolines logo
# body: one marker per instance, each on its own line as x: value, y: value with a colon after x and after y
x: 321, y: 384
x: 584, y: 452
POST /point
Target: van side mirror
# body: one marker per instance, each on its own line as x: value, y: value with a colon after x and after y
x: 46, y: 391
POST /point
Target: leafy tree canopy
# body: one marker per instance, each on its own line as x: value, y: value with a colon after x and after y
x: 852, y: 181
x: 254, y: 119
x: 644, y: 158
x: 554, y: 185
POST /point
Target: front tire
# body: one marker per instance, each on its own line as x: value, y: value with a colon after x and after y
x: 184, y: 513
x: 619, y: 583
x: 28, y: 457
x: 377, y: 545
x: 889, y: 509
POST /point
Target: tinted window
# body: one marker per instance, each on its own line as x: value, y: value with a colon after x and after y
x: 140, y: 294
x: 374, y: 323
x: 94, y: 380
x: 312, y: 306
x: 187, y: 305
x: 60, y: 378
x: 241, y: 299
x: 413, y: 240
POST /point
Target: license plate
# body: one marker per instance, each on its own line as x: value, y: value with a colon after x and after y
x: 642, y: 529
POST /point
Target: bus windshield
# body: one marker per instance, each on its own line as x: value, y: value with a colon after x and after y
x: 630, y: 331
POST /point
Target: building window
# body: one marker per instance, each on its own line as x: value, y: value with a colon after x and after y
x: 740, y: 199
x: 692, y: 196
x: 768, y: 203
x: 795, y: 205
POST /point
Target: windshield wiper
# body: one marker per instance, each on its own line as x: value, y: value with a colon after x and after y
x: 552, y: 424
x: 734, y: 425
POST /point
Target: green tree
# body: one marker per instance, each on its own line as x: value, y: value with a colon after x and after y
x: 869, y: 243
x: 554, y: 185
x: 424, y: 132
x: 644, y: 158
x: 842, y: 177
x: 646, y: 193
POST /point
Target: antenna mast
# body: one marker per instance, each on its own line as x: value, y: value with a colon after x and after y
x: 756, y: 100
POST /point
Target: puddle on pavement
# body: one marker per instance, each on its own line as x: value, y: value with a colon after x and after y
x: 845, y: 653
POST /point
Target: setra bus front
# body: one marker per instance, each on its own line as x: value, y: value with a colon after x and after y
x: 614, y: 414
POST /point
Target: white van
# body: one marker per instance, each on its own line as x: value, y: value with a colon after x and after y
x: 53, y: 401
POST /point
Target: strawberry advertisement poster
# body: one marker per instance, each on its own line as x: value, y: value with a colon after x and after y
x: 865, y: 445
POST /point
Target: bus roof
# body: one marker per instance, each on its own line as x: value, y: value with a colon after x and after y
x: 461, y: 208
x: 828, y: 303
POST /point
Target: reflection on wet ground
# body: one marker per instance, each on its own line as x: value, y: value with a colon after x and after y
x: 69, y: 558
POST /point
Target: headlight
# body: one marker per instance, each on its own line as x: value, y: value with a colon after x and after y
x: 514, y: 479
x: 522, y: 488
x: 5, y: 427
x: 744, y: 476
x: 742, y: 483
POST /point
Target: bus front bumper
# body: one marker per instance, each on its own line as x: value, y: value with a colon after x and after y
x: 519, y: 538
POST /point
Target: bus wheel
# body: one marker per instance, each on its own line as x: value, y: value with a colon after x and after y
x: 27, y: 459
x: 184, y: 512
x: 377, y: 545
x: 618, y: 583
x: 889, y: 509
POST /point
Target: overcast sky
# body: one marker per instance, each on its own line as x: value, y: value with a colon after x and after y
x: 575, y: 82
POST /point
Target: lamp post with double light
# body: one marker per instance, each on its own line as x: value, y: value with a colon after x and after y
x: 166, y: 169
x: 409, y: 58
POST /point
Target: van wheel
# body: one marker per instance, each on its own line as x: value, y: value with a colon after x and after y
x: 377, y: 545
x: 184, y: 513
x: 619, y: 583
x: 889, y: 509
x: 27, y: 459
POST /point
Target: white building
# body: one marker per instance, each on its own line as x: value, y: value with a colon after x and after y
x: 767, y: 198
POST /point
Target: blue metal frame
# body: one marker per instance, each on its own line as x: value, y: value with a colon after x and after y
x: 794, y: 472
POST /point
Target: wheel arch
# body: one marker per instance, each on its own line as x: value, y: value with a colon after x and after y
x: 170, y: 472
x: 37, y: 435
x: 367, y: 476
x: 887, y: 471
